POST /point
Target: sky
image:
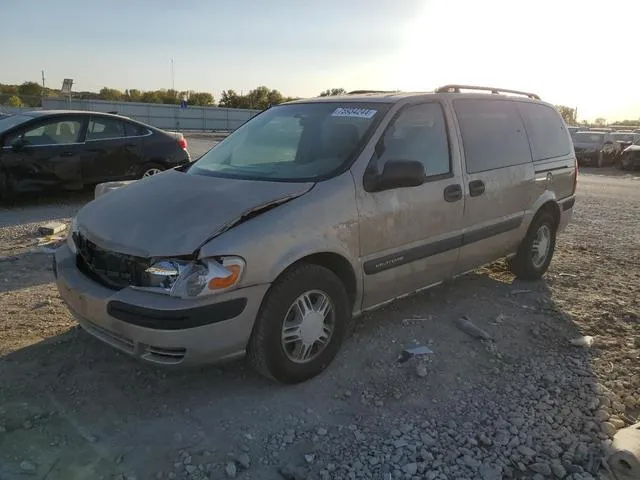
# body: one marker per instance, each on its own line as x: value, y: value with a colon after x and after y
x: 576, y: 53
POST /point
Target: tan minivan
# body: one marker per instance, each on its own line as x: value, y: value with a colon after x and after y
x: 315, y: 211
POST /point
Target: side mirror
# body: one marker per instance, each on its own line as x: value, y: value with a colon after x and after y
x: 398, y: 174
x: 18, y: 144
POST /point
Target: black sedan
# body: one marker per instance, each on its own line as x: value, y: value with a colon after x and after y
x: 595, y: 148
x: 70, y: 149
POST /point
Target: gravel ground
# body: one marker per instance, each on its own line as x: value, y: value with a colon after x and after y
x: 523, y: 403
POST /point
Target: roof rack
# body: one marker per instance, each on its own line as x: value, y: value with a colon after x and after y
x: 493, y: 90
x: 361, y: 92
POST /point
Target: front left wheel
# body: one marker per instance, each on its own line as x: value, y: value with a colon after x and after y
x: 301, y: 324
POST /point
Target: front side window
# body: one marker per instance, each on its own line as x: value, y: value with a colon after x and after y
x: 49, y: 132
x: 296, y: 142
x: 546, y: 130
x: 418, y: 133
x: 105, y: 128
x: 493, y: 135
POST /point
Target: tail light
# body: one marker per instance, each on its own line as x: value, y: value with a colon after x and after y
x: 575, y: 174
x: 182, y: 142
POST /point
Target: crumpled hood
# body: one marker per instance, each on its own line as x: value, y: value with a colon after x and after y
x: 174, y: 213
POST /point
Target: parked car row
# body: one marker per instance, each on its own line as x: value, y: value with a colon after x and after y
x: 603, y: 146
x: 70, y: 149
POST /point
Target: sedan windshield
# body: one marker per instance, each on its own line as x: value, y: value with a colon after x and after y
x: 12, y: 120
x: 295, y: 142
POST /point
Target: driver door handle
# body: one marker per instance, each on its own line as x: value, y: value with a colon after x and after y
x: 453, y: 193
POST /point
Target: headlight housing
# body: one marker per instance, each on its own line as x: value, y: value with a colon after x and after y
x: 184, y: 279
x: 73, y: 229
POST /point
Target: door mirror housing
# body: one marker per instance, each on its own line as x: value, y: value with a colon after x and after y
x: 397, y: 174
x: 18, y: 144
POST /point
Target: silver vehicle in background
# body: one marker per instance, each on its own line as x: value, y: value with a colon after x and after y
x: 313, y: 212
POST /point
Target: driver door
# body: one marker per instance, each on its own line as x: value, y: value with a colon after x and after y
x: 410, y: 237
x: 44, y: 154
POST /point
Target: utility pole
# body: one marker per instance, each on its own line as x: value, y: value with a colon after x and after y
x: 173, y: 78
x: 42, y: 94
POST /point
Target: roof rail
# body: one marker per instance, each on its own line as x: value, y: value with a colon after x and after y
x: 360, y: 92
x: 493, y: 90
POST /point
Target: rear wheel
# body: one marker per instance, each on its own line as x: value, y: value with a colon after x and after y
x: 151, y: 169
x: 536, y: 250
x: 301, y: 324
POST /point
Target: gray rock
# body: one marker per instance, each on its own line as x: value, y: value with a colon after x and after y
x: 309, y: 457
x: 490, y: 473
x: 27, y: 467
x: 321, y: 431
x: 410, y: 468
x: 192, y: 468
x: 526, y: 451
x: 243, y: 460
x: 609, y: 428
x: 421, y: 370
x: 542, y: 468
x: 558, y: 470
x: 293, y: 472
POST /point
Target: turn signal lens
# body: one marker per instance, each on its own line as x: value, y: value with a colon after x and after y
x: 218, y: 283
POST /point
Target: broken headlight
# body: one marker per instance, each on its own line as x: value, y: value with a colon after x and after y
x: 184, y: 279
x: 73, y: 229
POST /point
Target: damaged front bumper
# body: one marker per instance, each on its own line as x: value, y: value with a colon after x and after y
x: 156, y: 328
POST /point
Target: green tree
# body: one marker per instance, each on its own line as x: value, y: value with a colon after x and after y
x: 30, y: 89
x: 229, y: 99
x: 133, y: 95
x: 110, y: 94
x: 169, y: 96
x: 150, y: 97
x: 568, y: 114
x: 332, y: 92
x: 200, y: 98
x: 601, y: 122
x: 9, y: 89
x: 14, y: 101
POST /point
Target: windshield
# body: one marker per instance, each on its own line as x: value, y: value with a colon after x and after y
x: 12, y: 120
x: 586, y: 137
x: 296, y: 142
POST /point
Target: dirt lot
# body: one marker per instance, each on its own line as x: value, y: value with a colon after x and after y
x: 525, y: 404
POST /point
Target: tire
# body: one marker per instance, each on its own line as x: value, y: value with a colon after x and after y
x: 270, y: 354
x: 151, y: 167
x: 527, y: 265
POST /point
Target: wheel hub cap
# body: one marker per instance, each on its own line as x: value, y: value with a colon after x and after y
x: 308, y: 326
x: 541, y: 244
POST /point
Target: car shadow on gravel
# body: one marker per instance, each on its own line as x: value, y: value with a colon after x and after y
x: 523, y: 401
x: 30, y: 208
x: 25, y: 270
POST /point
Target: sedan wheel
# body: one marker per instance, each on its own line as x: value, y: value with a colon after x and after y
x: 151, y: 171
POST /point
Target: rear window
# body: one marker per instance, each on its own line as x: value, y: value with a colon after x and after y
x: 547, y: 134
x: 587, y: 137
x: 493, y: 134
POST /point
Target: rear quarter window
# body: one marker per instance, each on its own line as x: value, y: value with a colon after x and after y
x: 493, y: 135
x: 547, y: 132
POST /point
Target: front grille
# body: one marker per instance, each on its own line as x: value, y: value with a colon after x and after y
x: 111, y: 269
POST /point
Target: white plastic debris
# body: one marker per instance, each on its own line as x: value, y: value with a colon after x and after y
x: 411, y: 352
x: 585, y: 341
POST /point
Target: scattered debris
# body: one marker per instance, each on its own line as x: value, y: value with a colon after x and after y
x: 585, y: 341
x: 231, y: 470
x: 411, y: 352
x: 498, y: 320
x: 464, y: 324
x: 310, y: 457
x: 27, y: 467
x: 624, y: 457
x: 520, y: 291
x: 52, y: 228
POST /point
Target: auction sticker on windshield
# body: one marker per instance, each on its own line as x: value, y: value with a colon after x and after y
x: 353, y: 112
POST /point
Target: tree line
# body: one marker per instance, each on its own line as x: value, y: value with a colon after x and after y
x: 29, y: 94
